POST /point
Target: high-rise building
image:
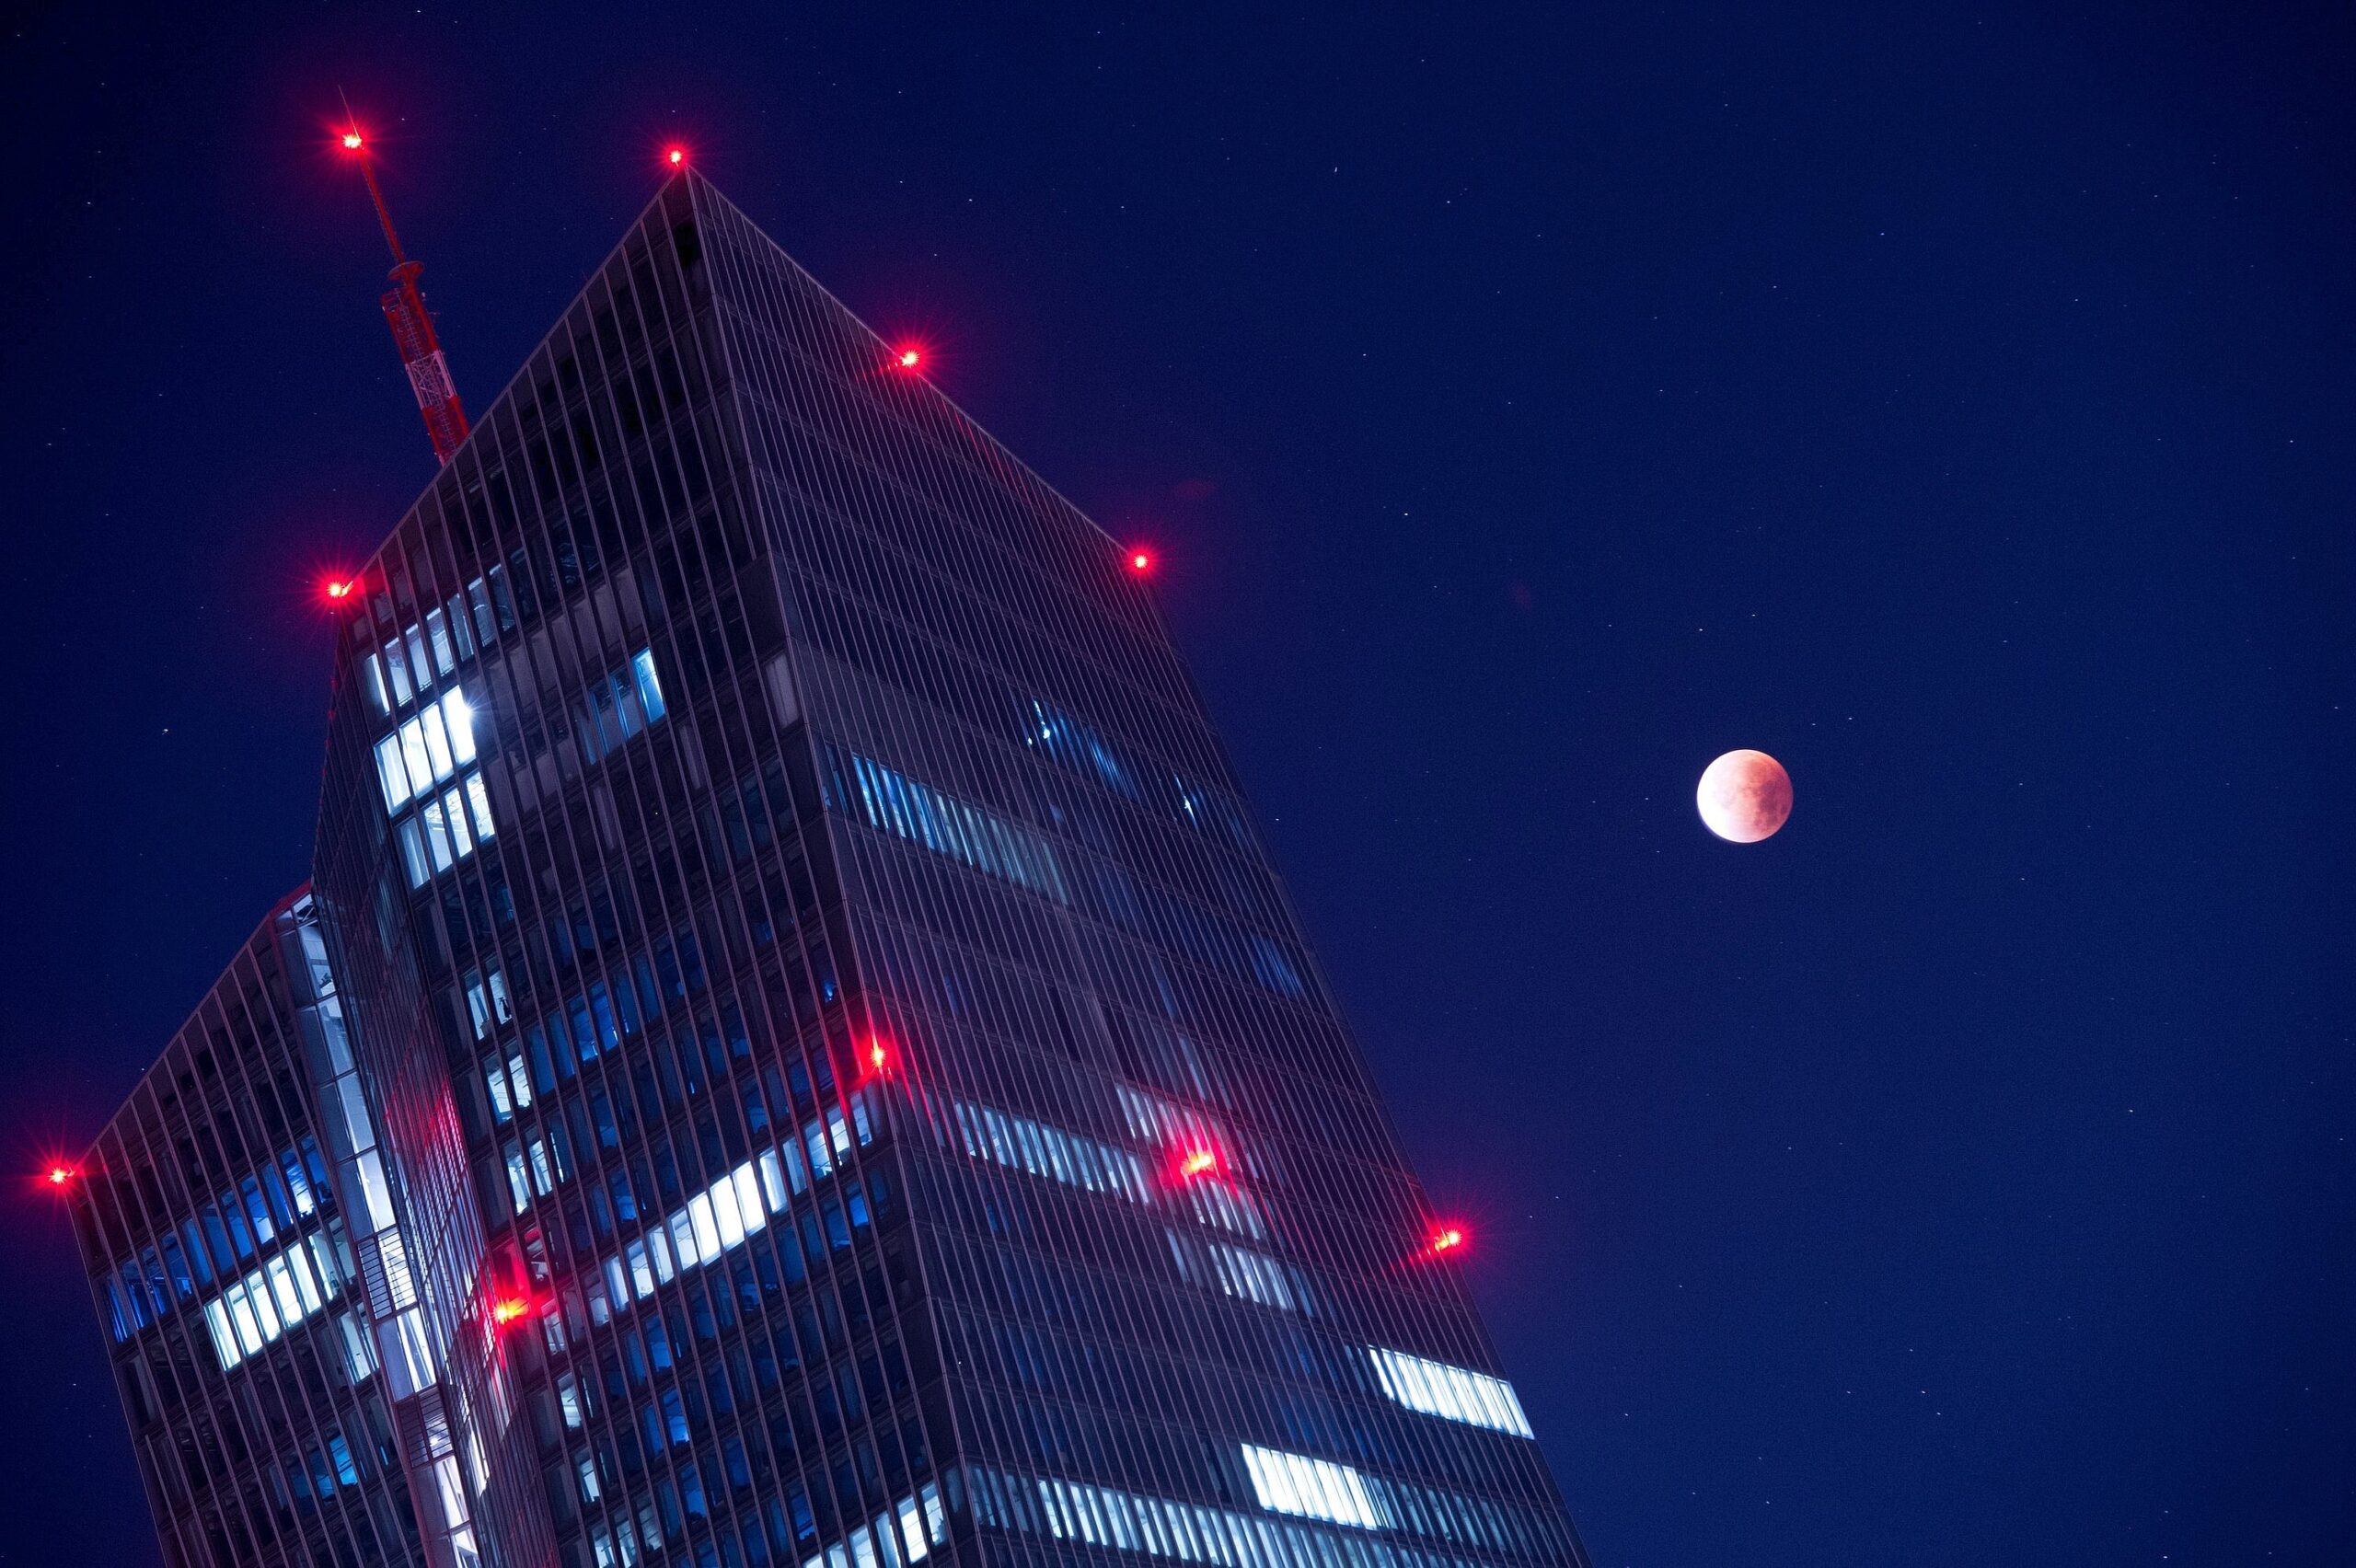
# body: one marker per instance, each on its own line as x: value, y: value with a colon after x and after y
x: 223, y: 1266
x: 842, y: 1083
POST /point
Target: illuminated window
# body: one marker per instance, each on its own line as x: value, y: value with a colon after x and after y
x: 1315, y: 1488
x: 1228, y: 1207
x: 716, y: 1220
x: 1024, y: 1145
x: 519, y: 1182
x: 1455, y: 1393
x: 1079, y: 748
x: 536, y: 1151
x: 408, y: 665
x: 288, y: 1289
x: 396, y: 668
x: 359, y: 1348
x: 437, y: 636
x: 443, y: 830
x: 619, y: 706
x: 426, y: 750
x: 916, y: 812
x: 1156, y: 1119
x: 372, y: 684
x: 487, y: 1001
x: 1238, y: 1273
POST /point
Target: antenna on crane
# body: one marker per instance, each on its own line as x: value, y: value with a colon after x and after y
x: 420, y: 351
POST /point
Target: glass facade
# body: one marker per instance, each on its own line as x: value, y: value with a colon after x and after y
x: 221, y: 1259
x: 850, y: 1086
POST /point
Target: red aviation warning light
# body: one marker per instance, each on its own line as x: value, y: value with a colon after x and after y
x: 507, y: 1309
x: 876, y: 1060
x: 1445, y: 1239
x: 908, y: 356
x: 58, y: 1175
x: 1140, y: 561
x: 337, y: 588
x: 676, y: 157
x: 405, y: 311
x: 1198, y: 1162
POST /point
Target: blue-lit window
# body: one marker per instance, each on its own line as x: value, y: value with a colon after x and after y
x: 1209, y: 811
x: 198, y: 1260
x: 1272, y: 969
x: 619, y: 706
x: 985, y: 1133
x: 1080, y: 748
x: 297, y: 1179
x: 916, y: 812
x: 487, y: 1004
x: 257, y: 1210
x: 176, y: 1267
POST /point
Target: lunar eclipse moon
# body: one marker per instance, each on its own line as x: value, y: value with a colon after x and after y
x: 1744, y: 797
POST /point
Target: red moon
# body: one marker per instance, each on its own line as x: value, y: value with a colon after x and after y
x: 1745, y: 797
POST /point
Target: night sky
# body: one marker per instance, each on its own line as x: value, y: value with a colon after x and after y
x: 1528, y: 404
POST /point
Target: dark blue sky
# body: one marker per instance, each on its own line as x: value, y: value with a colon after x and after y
x: 1529, y: 404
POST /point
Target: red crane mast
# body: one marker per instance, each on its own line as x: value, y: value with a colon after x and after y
x: 420, y: 351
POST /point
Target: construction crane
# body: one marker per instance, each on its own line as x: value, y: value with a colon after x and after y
x: 429, y: 372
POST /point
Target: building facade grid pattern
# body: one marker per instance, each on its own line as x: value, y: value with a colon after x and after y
x: 222, y: 1266
x: 852, y: 1087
